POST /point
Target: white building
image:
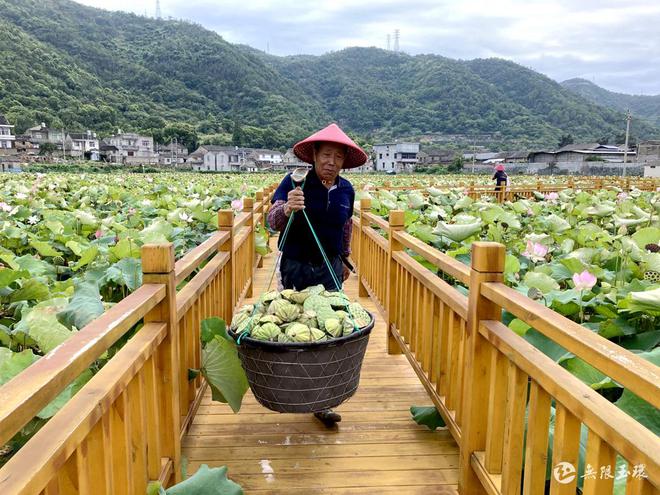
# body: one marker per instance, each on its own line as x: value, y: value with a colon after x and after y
x: 218, y: 158
x: 83, y: 144
x: 652, y: 170
x: 7, y: 137
x: 396, y: 157
x: 132, y: 148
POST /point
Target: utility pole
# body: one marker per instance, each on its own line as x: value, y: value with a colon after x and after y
x: 625, y: 146
x: 389, y: 38
x: 396, y: 40
x: 474, y: 152
x: 63, y: 146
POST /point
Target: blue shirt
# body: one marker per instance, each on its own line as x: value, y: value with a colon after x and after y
x: 327, y: 209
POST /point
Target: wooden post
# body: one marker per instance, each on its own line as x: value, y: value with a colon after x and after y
x: 259, y: 200
x: 393, y: 300
x: 262, y: 199
x: 471, y: 193
x: 571, y: 183
x: 365, y: 207
x: 539, y: 186
x: 158, y: 268
x: 226, y: 223
x: 487, y: 266
x: 248, y: 207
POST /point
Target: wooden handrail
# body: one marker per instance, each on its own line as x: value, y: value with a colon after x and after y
x: 35, y: 387
x: 633, y: 372
x: 628, y: 437
x: 446, y: 263
x: 186, y: 296
x: 476, y: 370
x: 240, y: 236
x: 455, y: 300
x: 189, y: 263
x: 379, y: 221
x: 40, y: 459
x: 376, y: 237
x: 139, y: 438
x: 241, y: 221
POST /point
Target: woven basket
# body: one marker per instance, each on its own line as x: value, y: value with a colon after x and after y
x: 301, y: 377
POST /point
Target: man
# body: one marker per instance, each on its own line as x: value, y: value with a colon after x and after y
x: 328, y: 201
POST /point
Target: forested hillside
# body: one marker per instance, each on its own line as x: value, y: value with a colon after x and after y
x: 82, y: 68
x: 645, y: 106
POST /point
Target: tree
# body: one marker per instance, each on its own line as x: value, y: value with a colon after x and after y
x: 237, y: 134
x: 457, y: 164
x: 566, y: 139
x: 47, y: 149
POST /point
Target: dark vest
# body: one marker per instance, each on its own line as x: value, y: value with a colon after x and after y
x: 327, y: 209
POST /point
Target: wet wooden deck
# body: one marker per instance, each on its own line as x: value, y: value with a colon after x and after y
x: 377, y: 448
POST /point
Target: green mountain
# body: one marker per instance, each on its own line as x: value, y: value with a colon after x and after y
x: 647, y: 107
x: 83, y: 68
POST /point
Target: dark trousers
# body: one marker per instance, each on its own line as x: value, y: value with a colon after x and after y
x: 299, y: 275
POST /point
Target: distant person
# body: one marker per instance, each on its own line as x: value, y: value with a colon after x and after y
x: 500, y: 177
x: 501, y: 181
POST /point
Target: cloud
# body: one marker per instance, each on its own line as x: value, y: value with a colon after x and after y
x: 616, y: 43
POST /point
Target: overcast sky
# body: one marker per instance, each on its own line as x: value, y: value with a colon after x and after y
x: 614, y: 43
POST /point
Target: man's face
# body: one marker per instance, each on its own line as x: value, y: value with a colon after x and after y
x: 328, y: 160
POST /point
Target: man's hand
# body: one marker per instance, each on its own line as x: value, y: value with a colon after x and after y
x: 345, y: 273
x: 295, y: 201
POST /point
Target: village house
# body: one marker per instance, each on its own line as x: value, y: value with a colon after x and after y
x: 648, y: 154
x: 290, y: 161
x: 82, y: 145
x: 129, y: 148
x: 41, y: 134
x: 7, y: 137
x: 262, y: 160
x: 582, y: 152
x: 172, y: 155
x: 218, y: 158
x: 396, y: 157
x: 24, y: 145
x: 648, y: 151
x: 434, y: 156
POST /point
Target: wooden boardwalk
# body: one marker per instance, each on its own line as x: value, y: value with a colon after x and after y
x: 377, y: 448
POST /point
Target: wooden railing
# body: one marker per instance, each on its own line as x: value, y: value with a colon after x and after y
x: 513, y: 193
x: 124, y: 427
x: 493, y: 388
x: 527, y: 191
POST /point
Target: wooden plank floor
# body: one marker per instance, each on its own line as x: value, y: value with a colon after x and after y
x: 377, y: 448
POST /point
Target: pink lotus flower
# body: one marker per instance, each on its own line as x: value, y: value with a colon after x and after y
x: 4, y: 206
x: 237, y: 204
x: 553, y: 196
x: 98, y: 234
x: 584, y: 280
x: 621, y: 196
x: 132, y: 211
x: 535, y: 251
x: 530, y: 212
